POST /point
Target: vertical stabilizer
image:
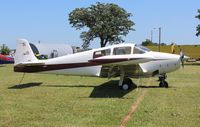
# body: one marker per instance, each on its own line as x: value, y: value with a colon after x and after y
x: 24, y: 52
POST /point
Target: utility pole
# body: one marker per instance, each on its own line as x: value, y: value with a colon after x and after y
x: 151, y: 35
x: 159, y: 39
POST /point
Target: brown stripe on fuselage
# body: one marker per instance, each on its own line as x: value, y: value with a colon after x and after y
x: 107, y: 61
x: 50, y: 67
x: 40, y: 68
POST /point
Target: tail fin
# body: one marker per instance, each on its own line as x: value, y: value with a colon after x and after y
x: 24, y: 52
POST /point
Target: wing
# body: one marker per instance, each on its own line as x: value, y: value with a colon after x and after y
x: 112, y: 65
x: 115, y: 71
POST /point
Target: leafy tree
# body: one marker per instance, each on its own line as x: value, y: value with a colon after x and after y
x: 162, y: 44
x: 148, y: 42
x: 4, y: 50
x: 108, y: 22
x: 198, y: 27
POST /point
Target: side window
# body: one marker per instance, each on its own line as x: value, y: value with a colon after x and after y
x: 122, y: 51
x: 101, y: 53
x: 137, y: 51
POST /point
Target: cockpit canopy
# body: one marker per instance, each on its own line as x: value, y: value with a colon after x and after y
x: 140, y: 49
x: 122, y: 50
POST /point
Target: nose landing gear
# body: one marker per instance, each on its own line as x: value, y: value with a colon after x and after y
x: 163, y: 83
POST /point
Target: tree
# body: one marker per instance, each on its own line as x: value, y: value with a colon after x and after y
x: 148, y: 42
x: 163, y: 44
x: 198, y: 27
x: 4, y: 50
x: 108, y: 22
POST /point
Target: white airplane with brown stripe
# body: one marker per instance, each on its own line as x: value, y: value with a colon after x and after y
x: 123, y: 60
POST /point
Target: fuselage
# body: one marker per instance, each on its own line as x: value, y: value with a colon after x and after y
x: 91, y: 63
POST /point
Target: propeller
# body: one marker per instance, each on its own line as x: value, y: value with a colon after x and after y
x: 183, y: 58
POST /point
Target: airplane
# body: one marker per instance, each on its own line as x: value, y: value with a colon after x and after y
x: 124, y: 60
x: 4, y: 59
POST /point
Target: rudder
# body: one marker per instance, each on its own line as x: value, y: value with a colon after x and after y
x: 24, y: 52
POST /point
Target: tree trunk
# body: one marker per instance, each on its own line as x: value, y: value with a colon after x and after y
x: 103, y: 44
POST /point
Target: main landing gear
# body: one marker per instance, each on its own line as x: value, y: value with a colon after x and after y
x: 126, y: 84
x: 163, y: 83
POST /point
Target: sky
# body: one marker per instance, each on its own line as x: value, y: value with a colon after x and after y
x: 47, y: 21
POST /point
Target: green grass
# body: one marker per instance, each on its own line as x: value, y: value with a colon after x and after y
x: 70, y: 101
x: 178, y: 106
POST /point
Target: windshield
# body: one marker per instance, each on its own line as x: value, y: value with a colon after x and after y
x: 143, y: 48
x: 140, y: 50
x: 122, y: 50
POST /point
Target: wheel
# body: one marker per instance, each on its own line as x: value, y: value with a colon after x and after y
x: 127, y: 84
x: 128, y: 81
x: 163, y: 84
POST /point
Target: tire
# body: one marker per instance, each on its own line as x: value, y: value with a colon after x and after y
x: 128, y: 81
x: 127, y: 84
x: 163, y: 84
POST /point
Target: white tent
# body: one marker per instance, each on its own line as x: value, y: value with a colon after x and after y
x: 51, y: 50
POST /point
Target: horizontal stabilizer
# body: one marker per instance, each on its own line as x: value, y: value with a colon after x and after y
x: 29, y: 64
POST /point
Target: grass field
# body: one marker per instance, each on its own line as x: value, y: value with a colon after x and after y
x: 193, y: 51
x: 69, y: 101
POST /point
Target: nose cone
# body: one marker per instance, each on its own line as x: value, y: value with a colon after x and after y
x: 174, y: 56
x: 167, y: 57
x: 164, y: 56
x: 186, y: 58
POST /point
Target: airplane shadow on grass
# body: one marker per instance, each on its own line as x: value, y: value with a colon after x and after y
x: 146, y: 87
x: 108, y: 89
x: 111, y: 89
x: 26, y: 85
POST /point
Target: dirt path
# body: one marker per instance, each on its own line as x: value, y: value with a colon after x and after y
x: 133, y: 109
